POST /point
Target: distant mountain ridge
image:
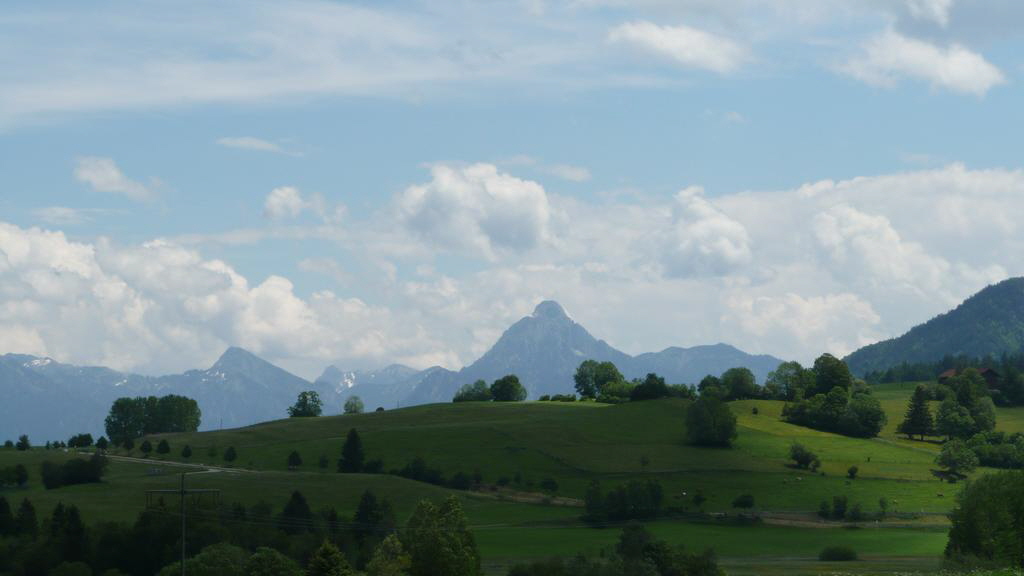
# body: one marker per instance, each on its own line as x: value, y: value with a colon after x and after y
x: 545, y: 348
x: 51, y: 401
x: 991, y: 322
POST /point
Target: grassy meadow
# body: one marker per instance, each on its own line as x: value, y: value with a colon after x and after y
x: 573, y: 443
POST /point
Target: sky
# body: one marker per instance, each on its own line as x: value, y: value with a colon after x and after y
x: 366, y: 183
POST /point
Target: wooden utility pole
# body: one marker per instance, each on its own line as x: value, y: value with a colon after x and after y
x: 181, y: 492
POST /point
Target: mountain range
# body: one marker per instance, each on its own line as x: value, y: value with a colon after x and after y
x: 989, y: 323
x: 49, y: 400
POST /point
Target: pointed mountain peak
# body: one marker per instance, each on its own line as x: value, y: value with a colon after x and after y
x: 550, y: 309
x: 235, y: 358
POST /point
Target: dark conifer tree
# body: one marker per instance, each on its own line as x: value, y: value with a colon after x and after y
x: 918, y: 420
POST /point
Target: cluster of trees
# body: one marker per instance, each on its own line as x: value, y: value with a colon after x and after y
x: 1008, y: 389
x: 16, y: 475
x: 80, y: 441
x: 602, y: 381
x: 634, y: 500
x: 966, y: 409
x: 987, y: 523
x: 504, y: 389
x: 637, y: 552
x: 827, y: 397
x: 557, y: 398
x: 840, y: 509
x: 73, y: 471
x: 17, y: 524
x: 134, y: 417
x: 244, y: 541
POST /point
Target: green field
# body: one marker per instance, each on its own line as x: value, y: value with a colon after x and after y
x: 573, y: 443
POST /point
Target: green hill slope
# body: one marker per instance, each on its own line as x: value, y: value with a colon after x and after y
x: 989, y: 323
x: 573, y: 444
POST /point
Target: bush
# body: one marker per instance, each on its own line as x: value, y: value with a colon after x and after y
x: 75, y: 471
x: 837, y: 554
x: 851, y: 472
x: 743, y: 501
x: 803, y: 458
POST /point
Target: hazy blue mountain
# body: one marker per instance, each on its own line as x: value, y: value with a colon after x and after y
x: 990, y: 322
x: 49, y: 400
x: 689, y: 365
x: 384, y: 387
x: 545, y: 348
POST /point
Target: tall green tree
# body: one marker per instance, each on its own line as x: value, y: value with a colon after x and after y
x: 830, y: 372
x: 389, y: 558
x: 307, y: 405
x: 987, y: 523
x: 353, y: 405
x: 740, y: 383
x: 954, y: 420
x: 25, y: 521
x: 918, y: 420
x: 23, y: 443
x: 592, y: 376
x: 789, y: 381
x: 328, y: 561
x: 508, y: 389
x: 439, y: 541
x: 352, y: 454
x: 296, y: 517
x: 957, y: 459
x: 710, y: 422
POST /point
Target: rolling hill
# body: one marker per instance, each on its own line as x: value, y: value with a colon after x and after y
x: 990, y: 322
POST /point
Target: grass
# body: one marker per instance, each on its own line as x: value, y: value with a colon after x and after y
x: 573, y: 443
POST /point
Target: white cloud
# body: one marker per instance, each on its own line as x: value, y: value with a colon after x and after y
x: 284, y: 202
x: 476, y: 208
x: 61, y: 215
x: 287, y: 202
x: 569, y: 172
x: 690, y: 47
x: 826, y: 266
x: 889, y: 57
x: 935, y: 10
x: 703, y: 240
x: 252, y: 143
x: 103, y: 175
x: 160, y: 307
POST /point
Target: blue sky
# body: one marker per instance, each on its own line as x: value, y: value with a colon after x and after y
x: 328, y: 182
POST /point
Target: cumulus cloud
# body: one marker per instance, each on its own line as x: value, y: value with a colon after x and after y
x: 703, y: 240
x: 161, y: 307
x: 287, y: 202
x: 887, y: 58
x: 687, y: 46
x: 476, y: 208
x: 103, y: 175
x: 284, y: 202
